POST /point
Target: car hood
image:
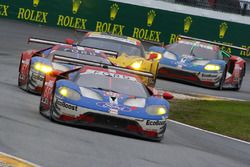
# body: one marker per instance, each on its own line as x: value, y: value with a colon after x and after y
x: 114, y: 101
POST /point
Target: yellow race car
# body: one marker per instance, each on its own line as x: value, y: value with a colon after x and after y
x: 124, y: 52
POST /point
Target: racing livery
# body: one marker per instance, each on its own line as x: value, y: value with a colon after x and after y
x: 35, y: 64
x: 202, y: 63
x: 107, y: 97
x: 130, y: 52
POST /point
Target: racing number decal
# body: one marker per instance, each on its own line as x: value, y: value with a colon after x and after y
x: 47, y: 93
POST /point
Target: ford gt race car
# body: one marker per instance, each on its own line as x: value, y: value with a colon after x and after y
x: 130, y: 52
x: 105, y: 96
x: 202, y: 63
x: 35, y: 64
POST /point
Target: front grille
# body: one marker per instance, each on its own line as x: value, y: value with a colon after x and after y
x: 111, y: 121
x: 177, y: 74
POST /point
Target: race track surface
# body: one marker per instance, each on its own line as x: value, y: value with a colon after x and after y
x: 28, y: 135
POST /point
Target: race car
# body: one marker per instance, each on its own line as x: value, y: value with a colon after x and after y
x: 201, y: 62
x: 130, y: 52
x: 34, y: 64
x: 105, y: 96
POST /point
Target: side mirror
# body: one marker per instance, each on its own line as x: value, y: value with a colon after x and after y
x: 69, y: 41
x: 167, y: 96
x: 154, y: 55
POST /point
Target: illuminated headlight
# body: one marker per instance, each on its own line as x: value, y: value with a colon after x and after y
x: 90, y: 94
x: 212, y: 67
x: 136, y: 65
x: 137, y: 102
x: 156, y: 110
x: 42, y: 67
x: 69, y: 93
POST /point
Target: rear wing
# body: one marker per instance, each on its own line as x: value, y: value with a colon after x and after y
x: 51, y: 42
x: 63, y: 59
x: 212, y: 42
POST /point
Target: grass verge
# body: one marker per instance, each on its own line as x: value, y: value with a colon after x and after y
x: 231, y: 118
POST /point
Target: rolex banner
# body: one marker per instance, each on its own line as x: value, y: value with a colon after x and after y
x: 123, y: 19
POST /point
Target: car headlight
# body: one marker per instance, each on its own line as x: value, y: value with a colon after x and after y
x: 212, y: 67
x: 42, y: 67
x: 156, y: 110
x: 69, y: 93
x: 90, y: 94
x: 136, y: 65
x: 136, y: 102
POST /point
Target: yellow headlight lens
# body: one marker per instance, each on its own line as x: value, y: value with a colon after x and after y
x: 136, y: 65
x: 42, y: 68
x: 37, y: 66
x: 212, y: 67
x: 156, y: 110
x: 46, y: 69
x: 69, y: 93
x: 63, y: 91
x: 161, y: 111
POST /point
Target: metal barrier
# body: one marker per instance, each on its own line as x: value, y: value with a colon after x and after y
x: 230, y: 6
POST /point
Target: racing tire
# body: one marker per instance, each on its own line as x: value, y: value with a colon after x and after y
x: 238, y: 86
x: 223, y: 77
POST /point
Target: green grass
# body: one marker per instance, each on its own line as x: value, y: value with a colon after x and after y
x: 229, y: 118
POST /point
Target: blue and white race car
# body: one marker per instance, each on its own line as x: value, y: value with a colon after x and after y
x: 107, y: 97
x: 201, y: 62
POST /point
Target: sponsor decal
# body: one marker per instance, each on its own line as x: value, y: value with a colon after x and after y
x: 114, y: 106
x: 116, y: 29
x: 49, y: 84
x: 66, y: 105
x: 36, y: 3
x: 209, y: 75
x: 37, y: 77
x: 81, y: 51
x: 76, y: 5
x: 26, y: 62
x: 237, y: 70
x: 32, y: 15
x: 113, y: 111
x: 151, y: 17
x: 112, y: 94
x: 44, y: 100
x: 245, y: 53
x: 187, y: 24
x: 197, y: 44
x: 113, y: 75
x: 4, y: 10
x: 72, y: 22
x: 155, y: 122
x: 223, y: 29
x: 113, y: 11
x: 145, y: 34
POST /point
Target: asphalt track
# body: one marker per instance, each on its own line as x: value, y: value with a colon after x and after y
x: 28, y: 135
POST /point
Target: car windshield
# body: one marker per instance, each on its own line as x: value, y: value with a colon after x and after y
x: 112, y: 45
x: 197, y: 50
x: 114, y: 84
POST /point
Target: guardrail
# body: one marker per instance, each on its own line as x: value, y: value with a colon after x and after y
x: 124, y: 19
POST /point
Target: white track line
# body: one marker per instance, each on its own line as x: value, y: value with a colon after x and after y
x: 206, y: 131
x: 202, y: 97
x: 19, y: 159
